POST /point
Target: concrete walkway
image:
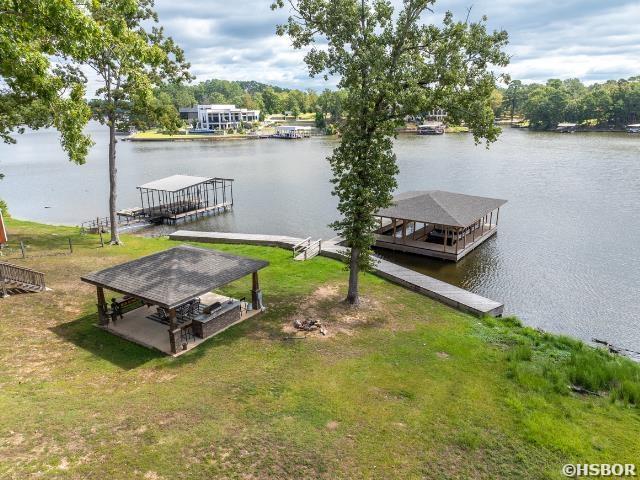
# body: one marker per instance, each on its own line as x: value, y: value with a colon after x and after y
x: 446, y: 293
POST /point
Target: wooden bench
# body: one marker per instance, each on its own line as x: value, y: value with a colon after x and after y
x: 122, y: 305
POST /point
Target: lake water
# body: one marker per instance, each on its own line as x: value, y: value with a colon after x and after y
x: 566, y: 258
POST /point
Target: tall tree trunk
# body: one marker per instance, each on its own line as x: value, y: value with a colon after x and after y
x: 353, y: 297
x: 115, y: 236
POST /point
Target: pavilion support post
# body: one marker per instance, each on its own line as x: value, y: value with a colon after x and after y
x: 103, y: 317
x: 256, y: 294
x: 174, y: 331
x: 404, y: 230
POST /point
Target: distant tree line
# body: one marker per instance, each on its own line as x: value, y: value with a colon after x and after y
x: 612, y: 104
x: 270, y: 100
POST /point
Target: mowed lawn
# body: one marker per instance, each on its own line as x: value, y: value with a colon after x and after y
x: 404, y: 387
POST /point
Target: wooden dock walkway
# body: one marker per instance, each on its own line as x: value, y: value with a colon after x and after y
x: 247, y: 238
x: 446, y: 293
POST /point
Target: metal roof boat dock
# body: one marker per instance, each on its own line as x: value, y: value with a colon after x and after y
x: 181, y: 197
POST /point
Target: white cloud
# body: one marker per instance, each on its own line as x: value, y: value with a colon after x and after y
x: 592, y: 40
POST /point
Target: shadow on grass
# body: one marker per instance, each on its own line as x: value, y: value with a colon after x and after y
x: 124, y: 354
x: 266, y: 326
x: 128, y: 355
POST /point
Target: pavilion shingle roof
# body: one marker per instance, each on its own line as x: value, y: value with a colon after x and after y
x: 437, y: 206
x: 175, y: 276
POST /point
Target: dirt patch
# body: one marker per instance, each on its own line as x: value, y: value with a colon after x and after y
x: 332, y: 425
x: 326, y: 305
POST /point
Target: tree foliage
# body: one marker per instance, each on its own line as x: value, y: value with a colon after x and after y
x: 130, y: 64
x: 390, y: 64
x: 614, y: 103
x: 36, y: 92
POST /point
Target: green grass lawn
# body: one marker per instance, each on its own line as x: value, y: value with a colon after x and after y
x: 404, y: 387
x: 155, y: 135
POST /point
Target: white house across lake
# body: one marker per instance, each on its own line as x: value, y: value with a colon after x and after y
x: 219, y: 117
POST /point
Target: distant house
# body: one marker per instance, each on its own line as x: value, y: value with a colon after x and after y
x: 219, y: 117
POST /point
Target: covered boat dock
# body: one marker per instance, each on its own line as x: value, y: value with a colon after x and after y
x: 168, y: 302
x: 181, y: 197
x: 437, y: 224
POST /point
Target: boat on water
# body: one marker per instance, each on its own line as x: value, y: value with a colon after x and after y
x: 431, y: 128
x: 292, y: 132
x: 566, y: 127
x: 633, y: 128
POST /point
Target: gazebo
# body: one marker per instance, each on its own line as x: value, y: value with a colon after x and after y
x: 167, y: 300
x: 437, y: 224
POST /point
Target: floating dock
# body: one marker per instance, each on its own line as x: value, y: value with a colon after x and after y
x: 181, y: 198
x: 446, y: 293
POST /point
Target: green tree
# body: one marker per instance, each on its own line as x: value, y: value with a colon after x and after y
x: 513, y: 98
x: 271, y: 100
x: 497, y: 101
x: 331, y: 103
x: 34, y: 93
x: 129, y: 65
x: 391, y: 65
x: 546, y: 105
x: 311, y: 101
x: 596, y: 104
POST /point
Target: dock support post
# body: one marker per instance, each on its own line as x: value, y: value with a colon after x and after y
x: 444, y: 242
x: 394, y: 230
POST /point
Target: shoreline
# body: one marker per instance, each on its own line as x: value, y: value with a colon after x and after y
x: 593, y: 342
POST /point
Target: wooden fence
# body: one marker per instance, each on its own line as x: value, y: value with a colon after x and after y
x: 50, y: 247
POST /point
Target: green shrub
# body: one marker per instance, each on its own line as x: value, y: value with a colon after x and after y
x: 599, y: 371
x: 3, y: 208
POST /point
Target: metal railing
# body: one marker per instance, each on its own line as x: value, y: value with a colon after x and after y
x: 301, y: 246
x: 307, y: 249
x: 103, y: 225
x: 14, y: 273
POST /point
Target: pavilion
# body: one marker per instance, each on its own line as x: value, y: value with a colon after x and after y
x: 180, y: 197
x: 179, y: 283
x: 437, y: 224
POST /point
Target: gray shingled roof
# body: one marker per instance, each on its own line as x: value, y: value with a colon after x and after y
x: 437, y: 206
x: 175, y: 183
x: 175, y: 276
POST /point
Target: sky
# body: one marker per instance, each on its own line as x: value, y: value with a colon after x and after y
x: 591, y: 40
